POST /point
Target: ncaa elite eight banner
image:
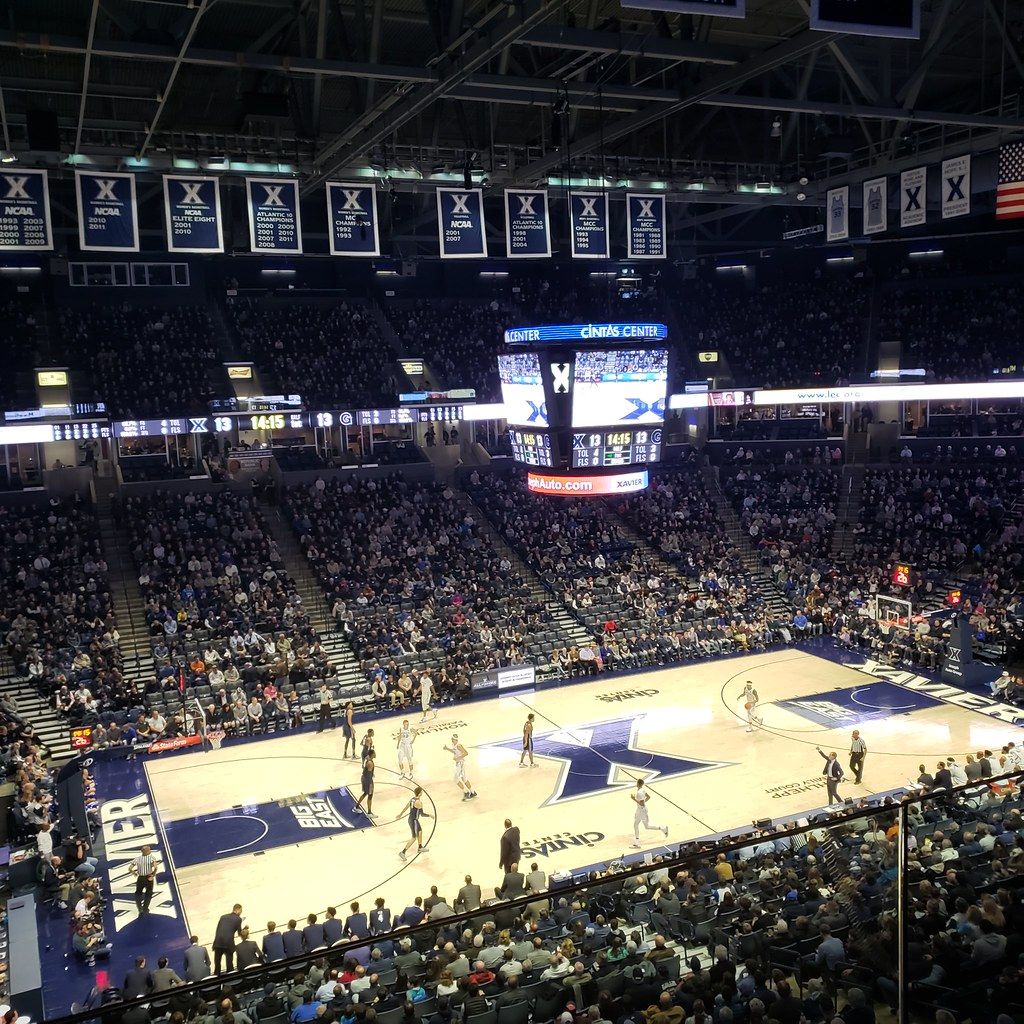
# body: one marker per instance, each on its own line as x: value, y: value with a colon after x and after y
x: 352, y: 219
x: 460, y: 223
x: 527, y: 225
x: 192, y: 212
x: 275, y: 224
x: 25, y: 211
x: 108, y: 219
x: 588, y: 225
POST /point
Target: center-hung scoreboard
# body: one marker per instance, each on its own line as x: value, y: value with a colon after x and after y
x: 585, y: 404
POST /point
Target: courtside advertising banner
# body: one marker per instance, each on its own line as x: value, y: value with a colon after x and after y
x: 275, y: 224
x: 583, y: 485
x: 192, y: 212
x: 25, y: 211
x: 527, y: 224
x: 352, y: 219
x: 956, y: 186
x: 588, y: 225
x: 460, y: 223
x: 108, y: 219
x: 875, y: 199
x: 837, y: 212
x: 645, y: 226
x: 913, y: 197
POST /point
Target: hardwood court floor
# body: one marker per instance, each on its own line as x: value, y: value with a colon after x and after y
x: 244, y: 824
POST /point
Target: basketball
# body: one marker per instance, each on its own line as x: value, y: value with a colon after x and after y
x: 748, y: 705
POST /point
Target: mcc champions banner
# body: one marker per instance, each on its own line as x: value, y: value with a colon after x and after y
x: 460, y: 223
x: 192, y: 213
x: 25, y: 211
x: 527, y: 223
x: 645, y: 226
x: 588, y: 225
x: 275, y: 224
x: 108, y: 219
x: 352, y: 225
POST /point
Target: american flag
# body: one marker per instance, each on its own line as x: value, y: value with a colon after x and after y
x: 1010, y: 190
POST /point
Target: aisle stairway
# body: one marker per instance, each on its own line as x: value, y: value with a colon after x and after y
x: 53, y: 730
x: 850, y: 496
x: 337, y: 647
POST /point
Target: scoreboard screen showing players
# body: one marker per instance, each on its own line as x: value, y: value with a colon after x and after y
x: 522, y: 389
x: 531, y: 447
x: 615, y: 447
x: 626, y: 386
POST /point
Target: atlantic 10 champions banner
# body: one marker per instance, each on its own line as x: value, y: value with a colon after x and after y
x: 460, y: 223
x: 645, y: 227
x: 192, y: 213
x: 108, y: 219
x: 527, y: 223
x: 275, y: 225
x: 352, y: 225
x: 25, y: 211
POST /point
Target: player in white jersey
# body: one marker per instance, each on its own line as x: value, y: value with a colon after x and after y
x: 426, y: 692
x: 460, y: 753
x: 750, y: 701
x: 406, y: 738
x: 640, y: 796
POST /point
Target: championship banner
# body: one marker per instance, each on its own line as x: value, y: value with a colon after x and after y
x: 588, y: 225
x: 108, y: 219
x: 913, y: 197
x: 275, y: 223
x: 460, y: 223
x: 192, y: 212
x: 25, y: 211
x: 875, y: 205
x: 527, y: 223
x: 352, y: 225
x: 956, y: 186
x: 646, y: 235
x: 837, y: 210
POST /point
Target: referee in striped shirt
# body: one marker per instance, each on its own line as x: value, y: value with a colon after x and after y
x: 144, y: 868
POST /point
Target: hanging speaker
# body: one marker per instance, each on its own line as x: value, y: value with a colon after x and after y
x: 43, y: 131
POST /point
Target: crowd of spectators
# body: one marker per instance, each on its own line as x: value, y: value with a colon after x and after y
x: 145, y: 360
x: 325, y: 352
x: 956, y: 333
x: 413, y: 582
x: 225, y: 619
x: 57, y: 622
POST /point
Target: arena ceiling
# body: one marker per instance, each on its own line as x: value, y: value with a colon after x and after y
x: 522, y: 91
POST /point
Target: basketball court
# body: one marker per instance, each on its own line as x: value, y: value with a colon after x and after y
x: 272, y: 824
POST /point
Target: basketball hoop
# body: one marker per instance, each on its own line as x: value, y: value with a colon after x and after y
x: 216, y: 737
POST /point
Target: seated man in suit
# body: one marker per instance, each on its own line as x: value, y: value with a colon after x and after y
x: 292, y: 941
x: 273, y: 943
x: 138, y: 981
x: 312, y: 934
x: 333, y: 931
x: 513, y: 885
x: 356, y: 925
x: 247, y: 952
x: 469, y: 898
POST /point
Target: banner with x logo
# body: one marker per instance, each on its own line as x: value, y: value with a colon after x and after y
x: 588, y: 225
x: 25, y: 224
x: 192, y: 213
x: 275, y: 220
x: 460, y: 224
x: 108, y: 218
x: 646, y: 237
x: 352, y: 219
x: 956, y: 186
x: 527, y: 225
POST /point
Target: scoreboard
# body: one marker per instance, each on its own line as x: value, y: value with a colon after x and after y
x: 616, y: 448
x: 586, y: 401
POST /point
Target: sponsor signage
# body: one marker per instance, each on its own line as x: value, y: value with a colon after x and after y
x: 25, y: 211
x: 582, y: 484
x: 107, y: 215
x: 193, y: 215
x: 813, y: 229
x: 161, y: 746
x: 585, y: 332
x: 503, y: 680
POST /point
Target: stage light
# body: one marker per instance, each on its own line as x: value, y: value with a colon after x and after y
x: 776, y: 131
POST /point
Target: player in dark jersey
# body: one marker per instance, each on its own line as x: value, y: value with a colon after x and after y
x: 366, y: 781
x: 416, y: 816
x: 348, y: 730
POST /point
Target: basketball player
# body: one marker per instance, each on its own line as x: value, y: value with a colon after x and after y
x: 426, y: 692
x: 366, y: 782
x: 367, y: 747
x: 640, y: 796
x: 527, y: 742
x: 348, y: 730
x: 750, y: 700
x: 406, y: 738
x: 416, y: 814
x: 460, y: 753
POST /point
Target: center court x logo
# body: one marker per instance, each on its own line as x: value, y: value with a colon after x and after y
x: 16, y: 187
x: 192, y: 194
x: 106, y: 190
x: 594, y: 756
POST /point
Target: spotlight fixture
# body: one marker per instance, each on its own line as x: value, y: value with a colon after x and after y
x: 560, y: 106
x: 776, y: 131
x: 801, y: 196
x: 7, y: 157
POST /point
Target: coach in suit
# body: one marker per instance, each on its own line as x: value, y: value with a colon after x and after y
x: 469, y: 898
x: 197, y: 960
x: 333, y: 931
x: 511, y: 851
x: 228, y: 927
x: 292, y: 941
x: 137, y: 982
x: 833, y: 772
x: 247, y: 951
x: 312, y: 934
x: 273, y: 943
x: 164, y: 977
x: 536, y: 880
x: 513, y: 885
